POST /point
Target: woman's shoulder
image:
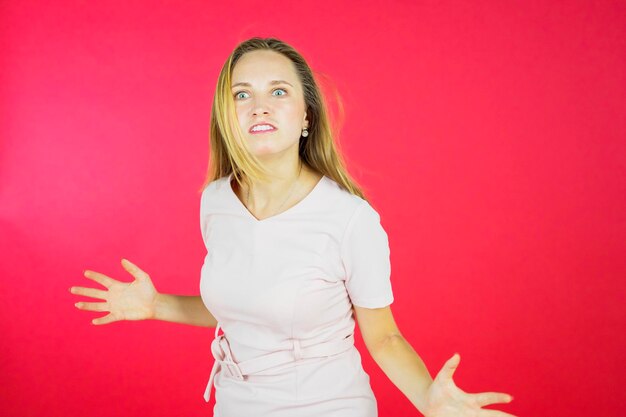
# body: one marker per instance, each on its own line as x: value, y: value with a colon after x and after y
x: 216, y: 185
x: 213, y: 192
x: 342, y: 200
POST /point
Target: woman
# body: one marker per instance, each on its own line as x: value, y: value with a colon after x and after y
x: 295, y: 253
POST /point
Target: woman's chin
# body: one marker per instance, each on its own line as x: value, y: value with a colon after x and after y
x: 265, y: 150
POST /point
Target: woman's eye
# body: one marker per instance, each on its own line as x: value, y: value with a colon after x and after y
x: 237, y: 94
x: 280, y: 89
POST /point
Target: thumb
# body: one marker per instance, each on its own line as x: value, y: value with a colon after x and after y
x: 133, y: 269
x: 450, y: 366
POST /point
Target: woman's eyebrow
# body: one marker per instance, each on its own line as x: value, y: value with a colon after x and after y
x: 273, y: 82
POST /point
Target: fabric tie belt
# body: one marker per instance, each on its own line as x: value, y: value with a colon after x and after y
x: 224, y: 358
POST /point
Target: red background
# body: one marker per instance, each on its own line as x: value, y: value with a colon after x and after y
x: 490, y: 135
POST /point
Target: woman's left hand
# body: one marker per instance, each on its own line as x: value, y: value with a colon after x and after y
x: 445, y: 399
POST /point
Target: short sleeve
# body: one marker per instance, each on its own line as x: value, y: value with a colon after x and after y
x: 366, y: 259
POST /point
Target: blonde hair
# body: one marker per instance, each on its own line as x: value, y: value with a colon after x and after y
x: 228, y: 150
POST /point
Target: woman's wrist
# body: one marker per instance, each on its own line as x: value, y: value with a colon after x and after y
x: 160, y: 307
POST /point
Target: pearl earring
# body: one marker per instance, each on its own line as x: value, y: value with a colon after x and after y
x: 305, y: 132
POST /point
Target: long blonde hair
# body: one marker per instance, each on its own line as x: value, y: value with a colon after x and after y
x: 228, y: 150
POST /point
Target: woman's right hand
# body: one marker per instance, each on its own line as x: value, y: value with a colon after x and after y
x: 123, y: 300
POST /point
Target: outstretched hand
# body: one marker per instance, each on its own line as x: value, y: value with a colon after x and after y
x: 123, y: 300
x: 445, y: 399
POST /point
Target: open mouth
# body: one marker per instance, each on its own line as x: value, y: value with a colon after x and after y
x: 262, y: 128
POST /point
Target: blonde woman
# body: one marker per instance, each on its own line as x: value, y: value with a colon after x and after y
x: 295, y: 254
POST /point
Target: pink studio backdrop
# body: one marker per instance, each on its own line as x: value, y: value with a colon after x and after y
x: 490, y: 136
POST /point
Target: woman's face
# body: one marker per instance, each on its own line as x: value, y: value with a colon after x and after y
x: 267, y: 90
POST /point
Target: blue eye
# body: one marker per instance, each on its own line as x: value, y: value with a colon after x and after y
x: 280, y: 89
x: 243, y: 92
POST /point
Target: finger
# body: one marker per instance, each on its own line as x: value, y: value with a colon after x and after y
x: 486, y: 398
x: 450, y: 366
x: 99, y: 278
x: 89, y: 292
x: 109, y: 318
x: 133, y: 269
x: 493, y: 413
x: 81, y: 305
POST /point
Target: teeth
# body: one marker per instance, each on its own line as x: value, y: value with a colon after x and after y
x: 262, y: 127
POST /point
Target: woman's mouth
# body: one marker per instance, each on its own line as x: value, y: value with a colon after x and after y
x: 262, y: 128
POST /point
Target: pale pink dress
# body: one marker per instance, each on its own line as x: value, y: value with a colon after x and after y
x: 282, y: 290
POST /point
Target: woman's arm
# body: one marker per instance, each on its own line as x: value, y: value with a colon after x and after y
x: 395, y: 356
x: 139, y: 300
x: 184, y: 309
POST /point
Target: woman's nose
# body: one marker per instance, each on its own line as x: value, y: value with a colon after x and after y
x: 260, y: 105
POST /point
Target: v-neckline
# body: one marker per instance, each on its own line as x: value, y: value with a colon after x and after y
x: 252, y: 217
